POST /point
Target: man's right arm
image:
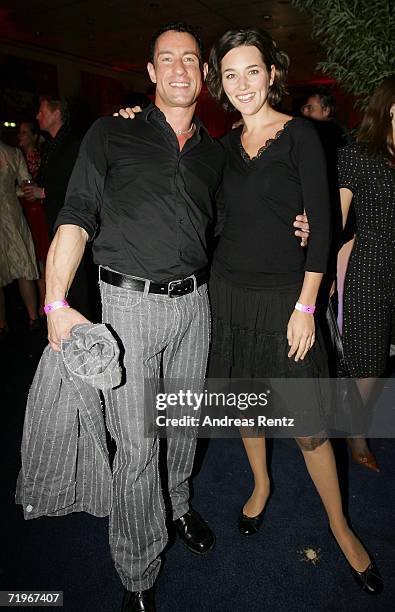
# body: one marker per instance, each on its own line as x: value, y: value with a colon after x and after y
x: 76, y: 224
x: 64, y: 257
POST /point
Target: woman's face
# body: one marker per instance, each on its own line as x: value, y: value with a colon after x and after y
x: 245, y: 79
x: 25, y: 136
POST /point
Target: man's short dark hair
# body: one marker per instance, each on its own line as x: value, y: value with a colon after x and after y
x: 176, y: 26
x: 58, y: 104
x: 327, y: 99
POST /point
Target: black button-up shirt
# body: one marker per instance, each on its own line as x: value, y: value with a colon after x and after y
x: 150, y: 205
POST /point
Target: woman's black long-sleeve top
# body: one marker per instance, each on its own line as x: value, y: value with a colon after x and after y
x: 260, y: 199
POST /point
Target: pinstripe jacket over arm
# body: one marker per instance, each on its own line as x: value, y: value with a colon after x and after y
x: 65, y: 464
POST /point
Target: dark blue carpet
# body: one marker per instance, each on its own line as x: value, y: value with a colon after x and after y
x: 266, y: 572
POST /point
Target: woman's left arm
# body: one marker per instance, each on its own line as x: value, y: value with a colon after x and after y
x: 301, y: 325
x: 312, y: 170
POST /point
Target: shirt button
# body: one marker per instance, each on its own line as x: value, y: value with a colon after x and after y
x: 29, y: 508
x: 180, y: 253
x: 181, y: 221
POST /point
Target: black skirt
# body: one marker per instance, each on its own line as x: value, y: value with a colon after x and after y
x: 249, y: 341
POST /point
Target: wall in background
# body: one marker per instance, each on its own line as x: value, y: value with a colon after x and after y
x: 27, y: 71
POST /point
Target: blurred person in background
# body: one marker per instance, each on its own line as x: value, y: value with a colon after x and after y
x: 58, y: 158
x: 29, y: 142
x: 17, y: 257
x: 367, y: 179
x: 320, y: 107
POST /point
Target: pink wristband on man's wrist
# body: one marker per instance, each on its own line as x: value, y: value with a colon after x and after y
x: 55, y: 305
x: 303, y: 308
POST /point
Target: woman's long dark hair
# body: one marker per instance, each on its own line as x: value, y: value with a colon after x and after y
x: 376, y: 126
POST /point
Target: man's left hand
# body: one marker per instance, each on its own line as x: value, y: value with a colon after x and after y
x: 303, y: 229
x: 128, y: 113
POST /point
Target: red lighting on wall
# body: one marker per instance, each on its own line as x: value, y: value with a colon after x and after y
x: 126, y: 67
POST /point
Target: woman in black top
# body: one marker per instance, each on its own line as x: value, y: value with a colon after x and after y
x: 263, y: 288
x: 367, y: 178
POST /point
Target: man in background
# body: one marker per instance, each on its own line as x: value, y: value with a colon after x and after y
x: 320, y: 107
x: 58, y: 158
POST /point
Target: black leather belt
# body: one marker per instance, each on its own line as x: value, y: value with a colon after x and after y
x: 171, y: 289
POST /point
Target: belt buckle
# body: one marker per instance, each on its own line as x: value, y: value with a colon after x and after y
x: 189, y: 286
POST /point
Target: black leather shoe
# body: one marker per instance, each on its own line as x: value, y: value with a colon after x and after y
x: 139, y: 601
x: 195, y: 533
x: 248, y: 525
x: 370, y: 579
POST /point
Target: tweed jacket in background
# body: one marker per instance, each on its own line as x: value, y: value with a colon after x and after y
x: 65, y: 464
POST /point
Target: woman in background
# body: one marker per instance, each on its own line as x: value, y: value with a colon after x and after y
x: 28, y: 137
x: 263, y: 289
x: 367, y: 179
x: 17, y: 258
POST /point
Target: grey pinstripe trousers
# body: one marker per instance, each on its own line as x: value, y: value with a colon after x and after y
x: 155, y: 331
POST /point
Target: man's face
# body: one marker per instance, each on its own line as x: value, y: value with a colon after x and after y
x: 314, y: 110
x: 176, y: 70
x: 47, y: 118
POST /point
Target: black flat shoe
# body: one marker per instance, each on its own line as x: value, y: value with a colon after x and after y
x: 248, y: 525
x: 195, y: 533
x: 370, y: 579
x: 139, y: 601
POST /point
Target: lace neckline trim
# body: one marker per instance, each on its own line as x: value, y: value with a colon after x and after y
x: 267, y: 144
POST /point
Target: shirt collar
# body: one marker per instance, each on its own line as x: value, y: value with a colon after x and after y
x: 62, y: 131
x: 153, y: 110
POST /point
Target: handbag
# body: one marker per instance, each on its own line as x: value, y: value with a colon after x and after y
x: 349, y: 415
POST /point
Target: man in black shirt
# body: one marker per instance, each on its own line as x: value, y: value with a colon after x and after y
x: 143, y: 191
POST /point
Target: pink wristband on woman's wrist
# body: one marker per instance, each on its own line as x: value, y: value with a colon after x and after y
x: 303, y: 308
x: 55, y: 305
